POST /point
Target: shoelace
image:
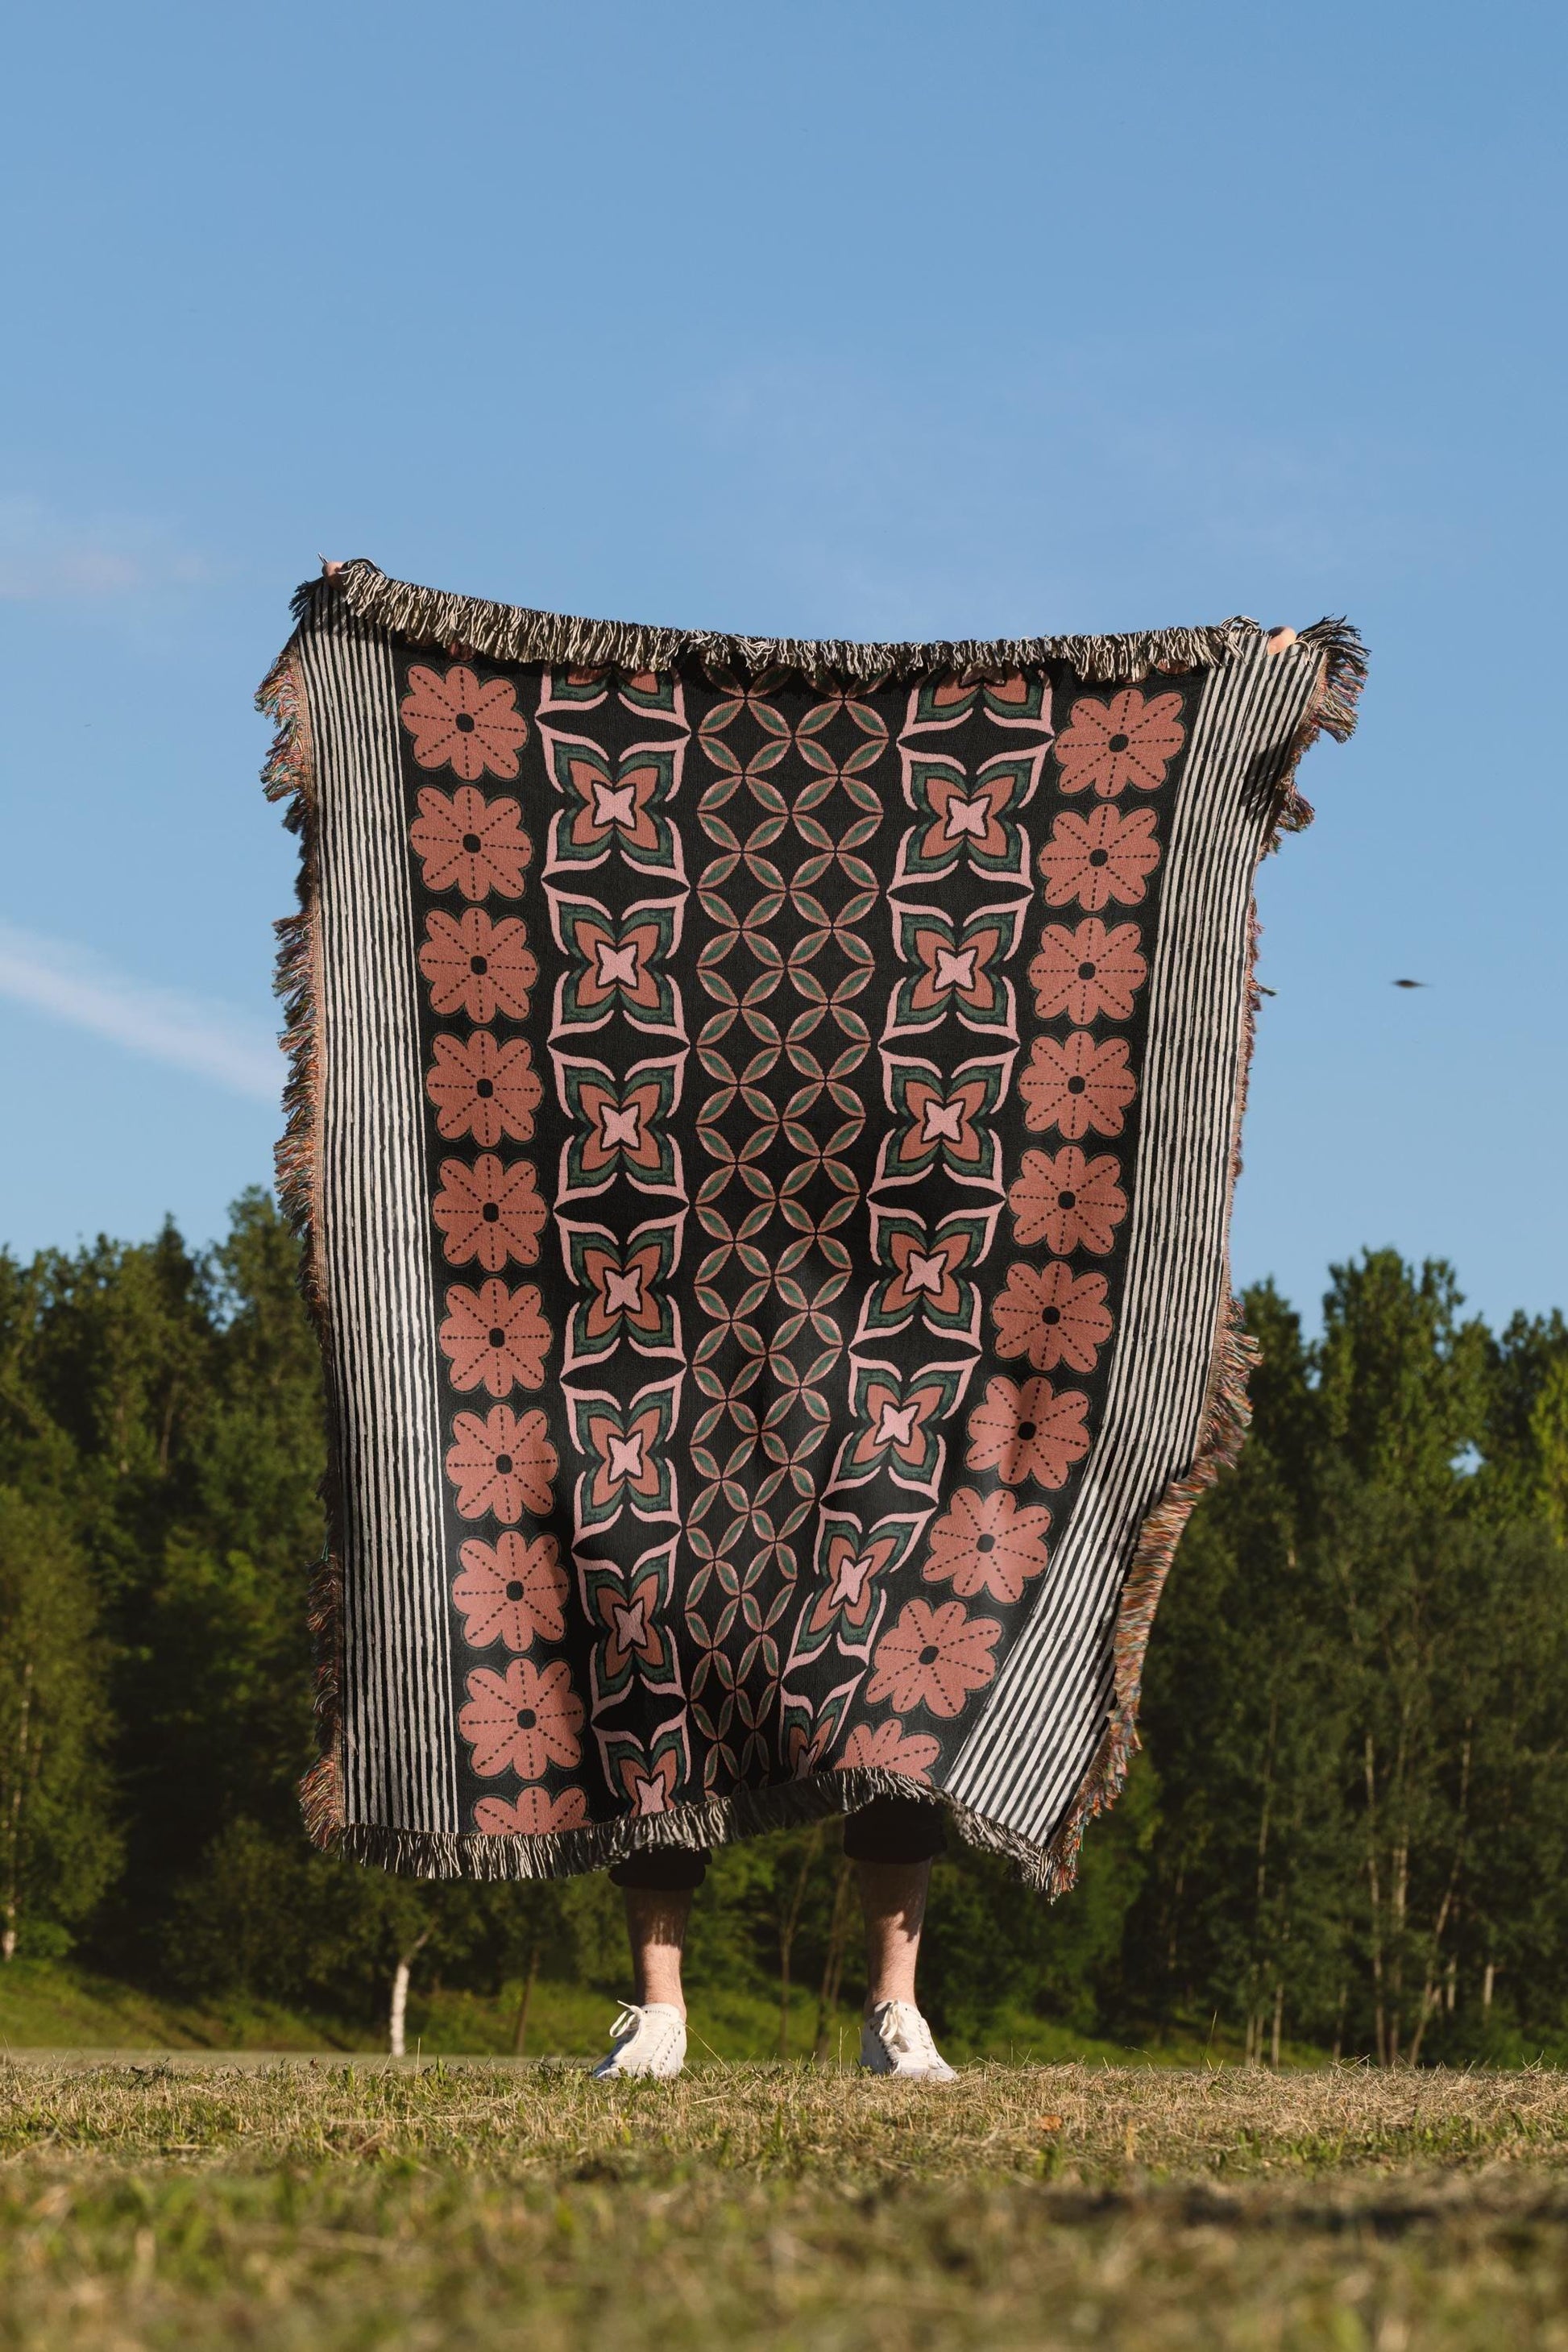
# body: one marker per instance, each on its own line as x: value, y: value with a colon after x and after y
x: 905, y: 2030
x: 629, y: 2022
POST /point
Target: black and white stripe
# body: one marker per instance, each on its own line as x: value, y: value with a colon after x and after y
x: 1028, y: 1758
x: 398, y: 1764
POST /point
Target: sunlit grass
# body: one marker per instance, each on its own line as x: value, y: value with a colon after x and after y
x: 347, y: 2205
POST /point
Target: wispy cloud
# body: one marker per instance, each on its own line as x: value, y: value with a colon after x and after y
x: 72, y: 983
x: 46, y: 558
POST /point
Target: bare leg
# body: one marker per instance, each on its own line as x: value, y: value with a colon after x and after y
x: 656, y: 1930
x: 893, y: 1898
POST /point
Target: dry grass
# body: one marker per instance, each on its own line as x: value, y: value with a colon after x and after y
x: 335, y: 2207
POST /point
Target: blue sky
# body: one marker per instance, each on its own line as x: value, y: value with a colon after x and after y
x: 846, y: 320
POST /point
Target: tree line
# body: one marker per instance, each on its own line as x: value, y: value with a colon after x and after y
x: 1349, y: 1826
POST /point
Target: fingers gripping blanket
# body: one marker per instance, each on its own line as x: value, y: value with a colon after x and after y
x: 762, y: 1125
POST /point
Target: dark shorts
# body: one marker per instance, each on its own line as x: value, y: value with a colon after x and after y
x: 890, y: 1829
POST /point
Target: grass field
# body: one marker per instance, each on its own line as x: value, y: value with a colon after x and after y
x: 338, y: 2205
x: 47, y: 2004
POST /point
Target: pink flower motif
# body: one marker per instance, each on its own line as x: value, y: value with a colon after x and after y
x: 886, y: 1748
x: 523, y: 1721
x: 613, y: 805
x: 483, y: 1090
x: 1052, y: 1316
x: 1107, y: 746
x: 933, y: 1657
x: 1028, y: 1432
x: 1068, y: 1203
x: 1088, y: 973
x: 512, y: 1591
x: 495, y: 1336
x: 456, y: 722
x: 476, y: 967
x: 852, y: 1564
x: 535, y: 1813
x: 503, y: 1464
x: 650, y: 1790
x: 489, y: 1211
x: 469, y: 843
x: 1101, y: 859
x: 632, y: 1628
x: 628, y: 1459
x: 1077, y: 1082
x: 987, y: 1543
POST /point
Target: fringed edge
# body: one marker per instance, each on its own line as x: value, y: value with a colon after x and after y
x: 750, y: 1812
x: 1332, y: 710
x: 288, y: 777
x: 514, y: 633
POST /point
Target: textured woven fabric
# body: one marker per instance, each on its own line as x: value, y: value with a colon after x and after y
x: 763, y: 1129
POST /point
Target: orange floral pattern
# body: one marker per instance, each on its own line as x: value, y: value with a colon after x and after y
x: 1053, y: 1315
x: 469, y: 843
x: 1102, y: 860
x: 523, y: 1721
x: 1028, y: 1432
x: 1078, y: 1084
x: 1131, y: 739
x: 933, y: 1657
x: 484, y: 1089
x: 513, y: 1591
x: 476, y: 967
x: 1089, y: 974
x: 988, y: 1544
x: 532, y: 1813
x: 489, y: 1211
x: 504, y: 1464
x: 1068, y: 1203
x: 888, y: 1747
x: 458, y: 723
x: 495, y: 1338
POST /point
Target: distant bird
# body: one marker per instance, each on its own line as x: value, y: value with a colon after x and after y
x: 1412, y: 983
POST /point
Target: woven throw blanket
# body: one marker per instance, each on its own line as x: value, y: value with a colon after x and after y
x: 762, y: 1125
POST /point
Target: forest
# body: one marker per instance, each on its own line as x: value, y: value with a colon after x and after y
x: 1347, y: 1831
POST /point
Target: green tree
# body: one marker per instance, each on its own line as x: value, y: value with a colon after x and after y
x: 1244, y: 1911
x: 1523, y: 1443
x: 58, y: 1842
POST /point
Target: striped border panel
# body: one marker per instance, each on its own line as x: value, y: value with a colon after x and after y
x: 1029, y: 1756
x: 398, y: 1768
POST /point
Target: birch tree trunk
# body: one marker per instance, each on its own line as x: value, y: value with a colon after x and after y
x: 398, y: 2018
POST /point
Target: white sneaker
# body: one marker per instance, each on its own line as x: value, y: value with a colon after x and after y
x: 648, y: 2040
x: 896, y: 2040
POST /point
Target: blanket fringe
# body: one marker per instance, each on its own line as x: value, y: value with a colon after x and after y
x: 288, y: 777
x: 514, y: 633
x: 1332, y: 711
x: 749, y: 1812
